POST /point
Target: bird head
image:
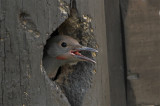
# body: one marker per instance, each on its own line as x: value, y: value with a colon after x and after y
x: 67, y: 49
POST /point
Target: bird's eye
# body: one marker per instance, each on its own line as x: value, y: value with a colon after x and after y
x: 63, y: 44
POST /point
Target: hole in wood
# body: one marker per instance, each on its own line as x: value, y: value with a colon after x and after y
x: 73, y: 79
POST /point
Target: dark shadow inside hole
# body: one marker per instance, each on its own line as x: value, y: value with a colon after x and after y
x: 57, y: 74
x: 55, y: 33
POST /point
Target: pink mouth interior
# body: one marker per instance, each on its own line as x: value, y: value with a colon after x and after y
x: 76, y: 53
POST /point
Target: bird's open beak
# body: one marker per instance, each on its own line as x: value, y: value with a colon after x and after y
x: 78, y: 55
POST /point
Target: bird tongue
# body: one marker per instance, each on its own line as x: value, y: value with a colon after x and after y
x: 77, y: 53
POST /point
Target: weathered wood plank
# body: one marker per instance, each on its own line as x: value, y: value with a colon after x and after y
x: 116, y: 67
x: 142, y: 28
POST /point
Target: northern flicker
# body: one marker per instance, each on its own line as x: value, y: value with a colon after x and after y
x: 62, y: 50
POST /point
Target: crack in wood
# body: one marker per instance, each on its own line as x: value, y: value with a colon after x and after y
x: 3, y: 75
